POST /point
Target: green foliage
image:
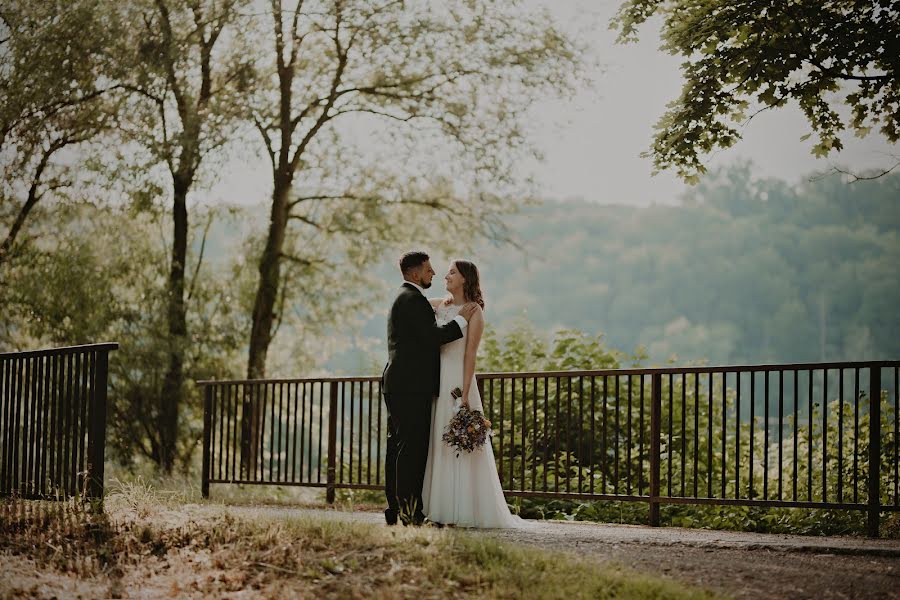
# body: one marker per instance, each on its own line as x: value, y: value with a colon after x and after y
x: 745, y: 56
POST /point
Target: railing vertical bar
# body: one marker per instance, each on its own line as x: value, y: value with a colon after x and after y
x: 351, y: 401
x: 332, y: 437
x: 766, y: 375
x: 282, y: 438
x: 874, y: 500
x: 55, y: 444
x: 709, y: 438
x: 502, y: 400
x: 628, y: 442
x: 378, y: 441
x: 37, y: 409
x: 259, y: 411
x: 534, y: 433
x: 840, y: 451
x: 49, y: 362
x: 604, y: 443
x: 896, y: 436
x: 220, y: 424
x: 555, y: 439
x: 321, y: 429
x: 98, y: 425
x: 5, y: 370
x: 67, y: 432
x: 293, y: 421
x: 655, y: 417
x: 233, y: 397
x: 27, y: 398
x: 369, y: 438
x: 593, y: 422
x: 580, y: 432
x: 856, y: 435
x: 752, y: 482
x: 669, y: 443
x: 809, y: 481
x: 683, y: 432
x: 796, y: 459
x: 207, y: 440
x: 641, y: 441
x: 724, y: 431
x: 780, y: 433
x: 737, y: 434
x: 272, y: 431
x: 618, y: 437
x: 21, y: 365
x: 697, y: 433
x: 306, y: 434
x: 359, y: 438
x: 72, y: 472
x: 824, y: 435
x: 209, y: 469
x: 343, y: 429
x: 524, y: 429
x: 512, y: 433
x: 546, y: 429
x: 82, y: 437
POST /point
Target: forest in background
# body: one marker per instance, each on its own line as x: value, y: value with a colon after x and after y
x: 745, y: 270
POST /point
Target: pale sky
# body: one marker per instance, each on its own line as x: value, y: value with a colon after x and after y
x: 592, y: 145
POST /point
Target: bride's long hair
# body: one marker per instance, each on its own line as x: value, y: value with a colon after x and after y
x: 471, y: 285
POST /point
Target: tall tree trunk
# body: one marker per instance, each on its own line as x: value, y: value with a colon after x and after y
x: 173, y: 381
x: 263, y: 317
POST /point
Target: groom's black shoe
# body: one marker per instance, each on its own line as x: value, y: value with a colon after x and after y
x: 390, y: 516
x: 418, y: 519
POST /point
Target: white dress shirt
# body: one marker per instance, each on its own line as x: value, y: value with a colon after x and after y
x: 460, y: 320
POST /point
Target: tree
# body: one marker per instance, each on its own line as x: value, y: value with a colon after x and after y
x: 183, y: 85
x: 439, y: 89
x: 761, y: 54
x: 51, y: 103
x: 377, y: 115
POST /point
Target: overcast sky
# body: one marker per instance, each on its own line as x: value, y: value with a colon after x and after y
x: 593, y: 144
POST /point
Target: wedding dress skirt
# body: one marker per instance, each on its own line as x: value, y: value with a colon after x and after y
x: 463, y: 490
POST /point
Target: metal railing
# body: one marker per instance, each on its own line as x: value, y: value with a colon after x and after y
x: 789, y: 435
x: 53, y: 421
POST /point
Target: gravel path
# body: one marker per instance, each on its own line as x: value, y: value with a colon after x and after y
x: 742, y: 565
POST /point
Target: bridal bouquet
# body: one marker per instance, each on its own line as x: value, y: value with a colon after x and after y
x: 468, y: 429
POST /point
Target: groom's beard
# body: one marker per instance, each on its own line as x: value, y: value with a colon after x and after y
x: 425, y: 286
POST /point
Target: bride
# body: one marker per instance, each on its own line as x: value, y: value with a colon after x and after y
x: 463, y: 490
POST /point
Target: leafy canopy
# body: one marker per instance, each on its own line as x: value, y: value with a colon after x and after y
x: 753, y: 55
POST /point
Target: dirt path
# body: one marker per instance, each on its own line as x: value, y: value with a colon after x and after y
x: 743, y: 565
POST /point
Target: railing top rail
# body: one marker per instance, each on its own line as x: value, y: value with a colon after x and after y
x: 64, y: 350
x: 595, y: 372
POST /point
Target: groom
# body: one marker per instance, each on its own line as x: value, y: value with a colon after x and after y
x: 410, y: 383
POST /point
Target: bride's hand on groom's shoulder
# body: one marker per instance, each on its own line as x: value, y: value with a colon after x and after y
x: 468, y: 310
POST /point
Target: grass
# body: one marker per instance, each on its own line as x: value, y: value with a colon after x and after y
x: 153, y: 542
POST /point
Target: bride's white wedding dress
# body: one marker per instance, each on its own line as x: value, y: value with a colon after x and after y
x: 462, y: 490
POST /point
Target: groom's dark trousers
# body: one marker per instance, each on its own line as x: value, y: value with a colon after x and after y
x: 410, y: 383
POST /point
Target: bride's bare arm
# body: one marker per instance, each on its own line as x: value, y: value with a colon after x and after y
x: 435, y: 302
x: 476, y: 328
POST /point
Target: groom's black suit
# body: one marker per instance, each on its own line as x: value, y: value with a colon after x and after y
x: 409, y: 383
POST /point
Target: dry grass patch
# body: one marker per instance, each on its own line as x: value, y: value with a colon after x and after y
x: 154, y: 547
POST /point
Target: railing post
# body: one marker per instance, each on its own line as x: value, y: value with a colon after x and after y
x: 332, y: 442
x: 655, y: 410
x: 207, y: 429
x: 874, y: 450
x: 97, y: 446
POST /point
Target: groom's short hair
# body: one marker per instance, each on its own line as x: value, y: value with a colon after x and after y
x: 411, y: 260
